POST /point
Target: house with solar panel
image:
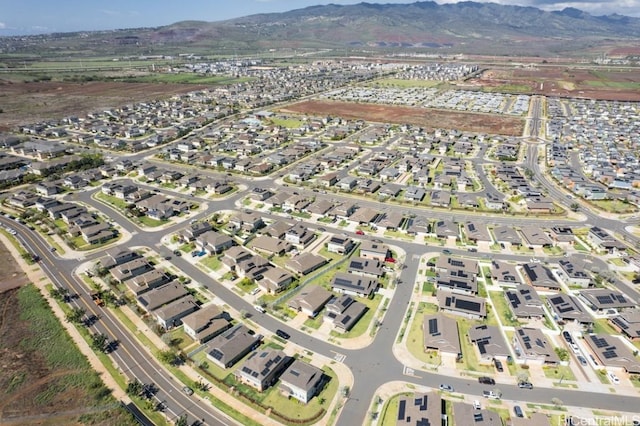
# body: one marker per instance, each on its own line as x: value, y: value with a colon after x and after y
x: 627, y: 323
x: 462, y: 304
x: 354, y: 285
x: 531, y: 344
x: 489, y: 342
x: 229, y: 347
x: 611, y: 352
x: 603, y: 300
x: 301, y: 381
x: 262, y: 369
x: 440, y: 333
x: 466, y: 414
x: 420, y: 409
x: 524, y: 302
x: 568, y: 308
x: 573, y: 274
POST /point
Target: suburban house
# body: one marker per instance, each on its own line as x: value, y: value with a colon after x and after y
x: 573, y: 274
x: 305, y: 263
x: 462, y: 304
x: 531, y: 344
x: 420, y: 410
x: 354, y: 285
x: 365, y: 267
x: 311, y: 300
x: 130, y: 269
x: 446, y: 229
x: 301, y: 381
x: 489, y: 342
x: 146, y: 281
x: 117, y: 256
x: 505, y: 274
x: 214, y: 242
x: 534, y: 237
x: 441, y: 334
x: 344, y: 312
x: 206, y: 323
x: 506, y: 235
x: 160, y: 296
x: 340, y: 245
x: 611, y: 352
x: 568, y: 308
x: 374, y: 250
x: 274, y: 280
x: 262, y: 368
x: 229, y: 347
x: 466, y: 414
x: 194, y: 230
x: 524, y: 302
x: 602, y: 300
x: 602, y: 240
x: 270, y: 245
x: 627, y: 323
x: 170, y: 315
x: 539, y: 276
x: 299, y: 236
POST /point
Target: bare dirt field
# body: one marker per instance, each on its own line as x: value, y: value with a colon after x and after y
x: 602, y: 83
x: 31, y: 102
x: 11, y: 275
x: 427, y: 118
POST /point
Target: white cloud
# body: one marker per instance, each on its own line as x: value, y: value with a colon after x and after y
x: 3, y: 25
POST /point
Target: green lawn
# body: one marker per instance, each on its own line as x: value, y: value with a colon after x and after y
x: 415, y: 339
x: 559, y: 372
x: 363, y: 323
x: 469, y: 356
x: 602, y: 326
x: 179, y: 338
x: 314, y: 323
x: 293, y: 409
x: 150, y: 222
x: 115, y: 202
x: 212, y: 262
x: 503, y: 311
x: 389, y: 412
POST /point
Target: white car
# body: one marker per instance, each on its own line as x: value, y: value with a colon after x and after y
x: 476, y: 405
x: 613, y: 378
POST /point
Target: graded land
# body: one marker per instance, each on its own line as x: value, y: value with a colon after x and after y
x: 425, y: 117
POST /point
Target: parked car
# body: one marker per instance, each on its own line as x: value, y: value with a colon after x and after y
x: 472, y: 250
x: 525, y: 385
x: 359, y: 232
x: 282, y: 334
x: 476, y: 405
x: 187, y: 390
x: 498, y: 364
x: 613, y: 378
x: 486, y: 380
x: 567, y: 336
x: 518, y: 411
x: 446, y: 251
x: 255, y: 291
x: 582, y: 360
x: 177, y: 253
x: 446, y: 388
x: 390, y: 260
x: 259, y: 309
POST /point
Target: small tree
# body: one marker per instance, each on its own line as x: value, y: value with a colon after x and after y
x: 557, y: 402
x: 75, y: 316
x: 168, y: 357
x: 99, y: 341
x: 134, y: 387
x: 181, y: 421
x: 574, y: 207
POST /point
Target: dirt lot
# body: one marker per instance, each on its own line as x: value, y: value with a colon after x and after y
x: 580, y: 82
x: 44, y: 379
x: 427, y: 118
x: 11, y: 275
x: 36, y: 101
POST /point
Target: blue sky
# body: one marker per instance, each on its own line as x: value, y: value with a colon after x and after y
x: 43, y: 16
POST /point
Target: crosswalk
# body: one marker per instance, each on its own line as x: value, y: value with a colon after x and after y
x: 339, y: 357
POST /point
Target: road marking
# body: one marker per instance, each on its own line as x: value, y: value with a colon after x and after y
x: 339, y: 357
x: 408, y: 371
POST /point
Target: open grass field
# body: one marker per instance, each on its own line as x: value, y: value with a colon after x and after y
x: 36, y: 101
x: 429, y: 118
x: 44, y: 378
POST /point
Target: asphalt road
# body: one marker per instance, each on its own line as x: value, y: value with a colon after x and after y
x: 372, y: 366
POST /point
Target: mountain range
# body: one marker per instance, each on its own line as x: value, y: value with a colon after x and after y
x: 465, y: 27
